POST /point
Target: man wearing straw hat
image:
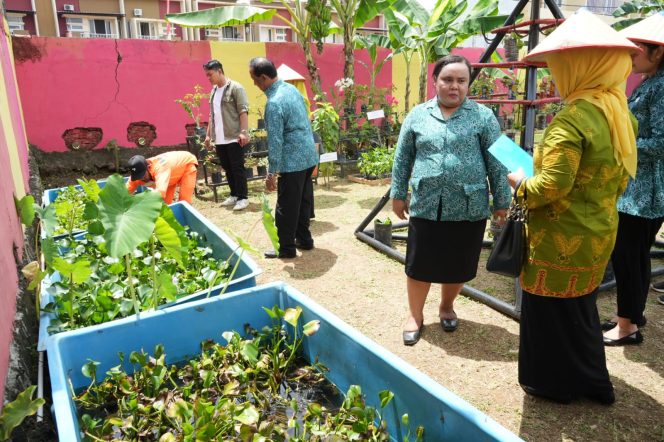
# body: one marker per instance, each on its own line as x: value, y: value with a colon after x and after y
x: 581, y: 168
x: 641, y: 207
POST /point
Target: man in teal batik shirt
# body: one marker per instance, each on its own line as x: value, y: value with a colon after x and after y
x: 292, y: 157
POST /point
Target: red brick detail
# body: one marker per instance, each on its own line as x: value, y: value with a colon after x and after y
x: 141, y: 133
x: 82, y: 138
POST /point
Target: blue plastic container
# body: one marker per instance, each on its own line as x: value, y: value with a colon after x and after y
x: 51, y: 195
x: 210, y: 236
x: 351, y: 357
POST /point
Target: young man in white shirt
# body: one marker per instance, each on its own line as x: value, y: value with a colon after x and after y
x: 228, y: 130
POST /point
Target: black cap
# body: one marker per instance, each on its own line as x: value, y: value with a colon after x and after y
x: 137, y: 166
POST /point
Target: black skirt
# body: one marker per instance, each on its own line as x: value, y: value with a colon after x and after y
x: 561, y: 350
x: 443, y: 251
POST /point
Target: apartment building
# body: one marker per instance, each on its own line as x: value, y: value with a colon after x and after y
x: 144, y: 19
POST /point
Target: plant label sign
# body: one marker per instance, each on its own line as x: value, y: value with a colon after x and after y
x: 328, y: 157
x: 374, y: 115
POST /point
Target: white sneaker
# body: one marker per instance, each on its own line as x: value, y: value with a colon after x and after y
x: 230, y: 201
x: 241, y: 204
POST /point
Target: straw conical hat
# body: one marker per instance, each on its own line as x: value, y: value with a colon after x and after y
x: 286, y: 73
x: 648, y: 30
x: 582, y: 30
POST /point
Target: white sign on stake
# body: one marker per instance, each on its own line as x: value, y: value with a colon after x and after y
x: 328, y: 157
x: 374, y: 115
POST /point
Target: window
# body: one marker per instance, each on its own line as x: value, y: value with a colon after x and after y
x: 101, y: 28
x: 75, y: 24
x: 165, y: 31
x: 147, y: 30
x: 227, y: 33
x: 15, y: 23
x: 270, y: 33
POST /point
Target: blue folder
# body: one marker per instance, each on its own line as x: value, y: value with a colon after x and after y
x: 511, y: 155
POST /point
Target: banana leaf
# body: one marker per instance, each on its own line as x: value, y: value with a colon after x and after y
x: 222, y: 16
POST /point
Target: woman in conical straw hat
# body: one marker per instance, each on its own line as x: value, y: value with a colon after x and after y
x: 581, y: 168
x: 641, y: 207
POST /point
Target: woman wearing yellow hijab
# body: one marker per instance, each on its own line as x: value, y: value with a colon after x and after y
x: 581, y: 168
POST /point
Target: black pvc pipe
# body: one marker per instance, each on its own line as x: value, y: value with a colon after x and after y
x: 494, y: 303
x: 612, y: 284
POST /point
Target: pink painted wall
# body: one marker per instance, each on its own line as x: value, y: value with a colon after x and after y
x: 11, y: 233
x: 20, y: 5
x: 85, y: 86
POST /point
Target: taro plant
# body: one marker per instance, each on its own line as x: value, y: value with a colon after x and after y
x: 134, y: 256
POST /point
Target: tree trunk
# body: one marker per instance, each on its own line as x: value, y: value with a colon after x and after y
x: 349, y: 72
x: 406, y: 98
x: 423, y: 78
x: 313, y: 71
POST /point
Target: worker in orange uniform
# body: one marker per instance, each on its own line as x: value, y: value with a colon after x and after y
x: 168, y: 171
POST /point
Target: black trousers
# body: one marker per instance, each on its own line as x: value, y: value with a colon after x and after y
x: 295, y: 199
x: 231, y: 157
x: 631, y: 263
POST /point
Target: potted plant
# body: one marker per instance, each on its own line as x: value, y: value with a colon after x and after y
x: 213, y: 166
x: 249, y: 164
x: 512, y: 43
x: 191, y: 103
x: 383, y: 231
x: 261, y: 166
x: 510, y: 82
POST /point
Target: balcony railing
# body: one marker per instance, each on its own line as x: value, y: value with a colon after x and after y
x: 95, y: 35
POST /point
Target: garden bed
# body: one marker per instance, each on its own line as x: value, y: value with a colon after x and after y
x: 362, y: 179
x: 351, y: 358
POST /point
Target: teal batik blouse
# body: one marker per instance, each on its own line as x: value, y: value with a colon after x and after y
x: 447, y: 163
x: 644, y: 195
x: 290, y: 140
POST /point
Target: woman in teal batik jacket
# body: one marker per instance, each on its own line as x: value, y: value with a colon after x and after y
x: 442, y: 153
x: 641, y: 207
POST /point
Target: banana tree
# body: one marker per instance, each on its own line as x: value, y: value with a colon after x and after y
x: 371, y: 43
x: 635, y: 11
x: 439, y: 30
x: 300, y: 22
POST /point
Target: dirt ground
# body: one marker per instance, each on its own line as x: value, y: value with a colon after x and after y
x: 479, y: 361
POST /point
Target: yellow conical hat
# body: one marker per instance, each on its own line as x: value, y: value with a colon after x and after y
x: 582, y: 30
x: 648, y: 30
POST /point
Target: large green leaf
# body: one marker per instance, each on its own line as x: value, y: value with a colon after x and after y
x: 77, y: 272
x: 26, y: 209
x: 14, y: 412
x: 168, y: 237
x: 48, y: 220
x: 129, y: 220
x: 222, y: 16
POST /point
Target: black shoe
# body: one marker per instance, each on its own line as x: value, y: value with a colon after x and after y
x: 449, y: 325
x: 659, y: 288
x: 411, y: 337
x: 271, y: 254
x: 561, y: 398
x: 631, y: 339
x: 304, y: 245
x: 608, y: 325
x: 604, y: 398
x: 660, y: 299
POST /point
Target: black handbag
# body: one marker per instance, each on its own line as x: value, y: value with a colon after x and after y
x: 509, y: 250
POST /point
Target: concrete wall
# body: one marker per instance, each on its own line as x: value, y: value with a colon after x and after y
x: 111, y: 83
x: 13, y: 182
